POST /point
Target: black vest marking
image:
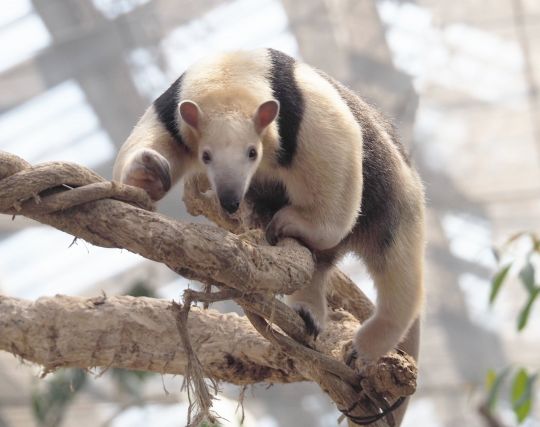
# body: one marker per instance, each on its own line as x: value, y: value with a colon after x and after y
x: 266, y: 198
x: 381, y: 206
x: 167, y: 106
x: 287, y: 92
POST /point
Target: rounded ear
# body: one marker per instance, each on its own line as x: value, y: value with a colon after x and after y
x: 266, y: 114
x: 190, y: 113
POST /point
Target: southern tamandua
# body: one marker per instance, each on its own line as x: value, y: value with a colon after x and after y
x: 339, y: 180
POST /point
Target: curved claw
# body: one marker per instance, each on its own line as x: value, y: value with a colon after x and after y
x: 385, y: 410
x: 351, y: 358
x: 272, y: 233
x: 312, y: 327
x: 369, y: 419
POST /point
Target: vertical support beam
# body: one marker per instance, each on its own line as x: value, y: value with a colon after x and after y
x: 346, y: 39
x: 90, y: 49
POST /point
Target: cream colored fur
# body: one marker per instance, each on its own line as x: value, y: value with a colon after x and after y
x: 400, y: 282
x: 150, y: 136
x: 324, y: 183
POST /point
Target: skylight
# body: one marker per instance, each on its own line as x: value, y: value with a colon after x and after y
x: 147, y: 75
x: 241, y: 24
x: 114, y: 8
x: 39, y: 261
x: 222, y: 28
x: 56, y: 125
x: 457, y: 56
x: 17, y: 9
x: 476, y: 296
x: 22, y: 33
x: 469, y: 237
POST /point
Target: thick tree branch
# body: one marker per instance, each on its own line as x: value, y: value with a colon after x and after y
x: 114, y: 332
x: 197, y: 251
x: 141, y: 334
x: 138, y: 333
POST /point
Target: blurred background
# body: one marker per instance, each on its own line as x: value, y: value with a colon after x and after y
x: 458, y: 78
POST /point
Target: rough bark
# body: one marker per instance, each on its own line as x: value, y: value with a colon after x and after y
x: 140, y: 334
x: 144, y: 334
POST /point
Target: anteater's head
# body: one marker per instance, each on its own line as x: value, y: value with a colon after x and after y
x: 229, y: 146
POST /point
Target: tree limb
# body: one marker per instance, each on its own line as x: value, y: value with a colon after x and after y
x: 242, y: 264
x: 138, y: 333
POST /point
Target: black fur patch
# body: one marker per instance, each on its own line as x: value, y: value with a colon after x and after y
x: 287, y: 92
x: 166, y: 106
x: 266, y: 198
x: 380, y: 210
x: 312, y: 328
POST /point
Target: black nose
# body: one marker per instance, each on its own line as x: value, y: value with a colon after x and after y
x: 229, y: 202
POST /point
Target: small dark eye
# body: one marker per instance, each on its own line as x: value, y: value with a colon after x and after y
x: 206, y: 157
x: 252, y: 153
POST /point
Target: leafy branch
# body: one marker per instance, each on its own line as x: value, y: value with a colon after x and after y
x: 526, y: 272
x: 523, y: 265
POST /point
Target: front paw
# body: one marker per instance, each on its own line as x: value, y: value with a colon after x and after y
x: 351, y: 356
x: 150, y: 171
x: 370, y: 347
x: 284, y: 223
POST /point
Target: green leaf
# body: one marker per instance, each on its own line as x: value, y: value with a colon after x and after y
x: 497, y: 282
x: 141, y: 289
x: 495, y: 387
x: 130, y: 382
x: 536, y: 245
x: 524, y: 315
x: 522, y: 394
x: 39, y: 407
x: 523, y: 410
x: 519, y: 384
x: 51, y: 400
x: 527, y: 276
x: 491, y: 376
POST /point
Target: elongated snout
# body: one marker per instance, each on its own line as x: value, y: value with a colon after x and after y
x: 229, y: 200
